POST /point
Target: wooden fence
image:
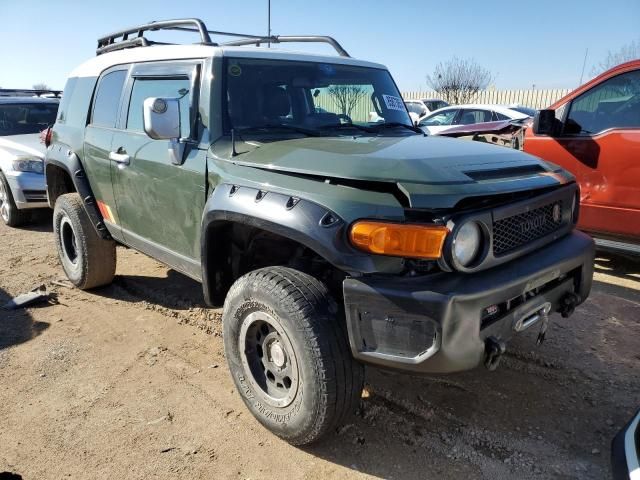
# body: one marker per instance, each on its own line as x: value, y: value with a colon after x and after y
x: 527, y: 98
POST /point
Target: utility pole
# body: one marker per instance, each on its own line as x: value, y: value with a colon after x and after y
x: 584, y: 63
x: 269, y: 22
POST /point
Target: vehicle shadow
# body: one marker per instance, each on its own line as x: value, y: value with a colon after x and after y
x: 175, y: 291
x: 41, y: 221
x: 17, y: 326
x: 618, y: 275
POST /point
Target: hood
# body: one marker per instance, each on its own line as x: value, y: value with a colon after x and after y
x: 28, y: 144
x: 421, y: 167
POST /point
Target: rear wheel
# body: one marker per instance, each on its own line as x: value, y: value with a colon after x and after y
x: 8, y: 209
x: 288, y: 354
x: 88, y: 260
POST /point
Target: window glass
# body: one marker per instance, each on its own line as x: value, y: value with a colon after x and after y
x: 613, y: 103
x: 442, y: 118
x: 469, y: 117
x: 433, y: 105
x: 501, y: 116
x: 105, y: 105
x: 23, y: 118
x: 280, y: 96
x: 144, y: 88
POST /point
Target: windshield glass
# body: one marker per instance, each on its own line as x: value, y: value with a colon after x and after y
x: 23, y: 118
x: 311, y: 96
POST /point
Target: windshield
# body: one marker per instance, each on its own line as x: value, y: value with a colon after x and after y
x: 297, y: 96
x: 23, y: 118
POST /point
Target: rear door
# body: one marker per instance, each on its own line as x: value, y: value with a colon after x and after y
x: 98, y: 136
x: 602, y: 132
x: 160, y: 204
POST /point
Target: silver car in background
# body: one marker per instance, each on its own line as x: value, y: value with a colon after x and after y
x: 22, y: 181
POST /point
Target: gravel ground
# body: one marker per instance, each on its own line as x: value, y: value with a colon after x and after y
x: 130, y: 381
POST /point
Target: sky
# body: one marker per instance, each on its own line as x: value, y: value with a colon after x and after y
x: 522, y: 43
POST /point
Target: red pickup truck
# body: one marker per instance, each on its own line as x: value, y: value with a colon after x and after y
x: 594, y: 132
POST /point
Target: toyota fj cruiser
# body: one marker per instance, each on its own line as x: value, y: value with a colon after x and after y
x: 333, y: 241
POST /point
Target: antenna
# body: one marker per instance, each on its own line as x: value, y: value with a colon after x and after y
x: 584, y: 63
x: 233, y: 143
x: 269, y: 22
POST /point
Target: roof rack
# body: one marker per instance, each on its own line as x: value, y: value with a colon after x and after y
x: 134, y: 36
x: 20, y: 92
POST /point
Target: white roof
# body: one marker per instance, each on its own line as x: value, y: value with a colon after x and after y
x: 96, y: 65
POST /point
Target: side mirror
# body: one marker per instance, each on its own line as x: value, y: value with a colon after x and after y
x: 162, y: 118
x: 544, y: 122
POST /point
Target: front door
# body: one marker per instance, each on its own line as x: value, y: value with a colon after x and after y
x: 602, y: 132
x: 160, y: 204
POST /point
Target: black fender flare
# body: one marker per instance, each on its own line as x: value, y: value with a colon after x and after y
x: 305, y: 222
x: 65, y: 158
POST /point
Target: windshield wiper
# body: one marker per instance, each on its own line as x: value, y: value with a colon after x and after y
x: 380, y: 126
x: 338, y: 126
x: 283, y: 126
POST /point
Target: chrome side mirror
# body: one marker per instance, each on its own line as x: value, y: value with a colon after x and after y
x: 162, y: 118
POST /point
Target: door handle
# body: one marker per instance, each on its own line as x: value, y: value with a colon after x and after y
x: 121, y: 158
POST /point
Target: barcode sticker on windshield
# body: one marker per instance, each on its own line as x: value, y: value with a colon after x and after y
x: 393, y: 103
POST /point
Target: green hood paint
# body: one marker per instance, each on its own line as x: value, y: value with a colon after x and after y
x: 430, y: 171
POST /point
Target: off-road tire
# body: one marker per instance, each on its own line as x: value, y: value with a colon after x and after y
x: 9, y: 212
x: 329, y: 381
x: 88, y: 260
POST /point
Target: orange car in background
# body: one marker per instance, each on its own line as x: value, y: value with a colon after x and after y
x: 594, y: 132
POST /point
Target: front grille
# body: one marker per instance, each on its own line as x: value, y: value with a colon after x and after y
x: 518, y: 230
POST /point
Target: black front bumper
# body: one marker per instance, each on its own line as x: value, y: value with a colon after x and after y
x: 438, y: 323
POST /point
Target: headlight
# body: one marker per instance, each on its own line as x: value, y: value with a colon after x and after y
x: 28, y: 164
x: 467, y: 243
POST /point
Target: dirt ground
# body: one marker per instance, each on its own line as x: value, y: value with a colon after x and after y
x: 130, y: 381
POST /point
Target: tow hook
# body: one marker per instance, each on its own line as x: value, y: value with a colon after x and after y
x: 568, y: 304
x: 494, y: 349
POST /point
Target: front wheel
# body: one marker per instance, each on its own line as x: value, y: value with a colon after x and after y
x: 288, y: 354
x: 88, y: 260
x: 9, y: 211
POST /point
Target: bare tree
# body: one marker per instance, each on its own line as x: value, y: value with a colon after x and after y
x: 630, y: 51
x: 41, y: 86
x: 459, y: 80
x: 346, y: 96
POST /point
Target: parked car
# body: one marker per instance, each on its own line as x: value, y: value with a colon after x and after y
x: 425, y: 106
x: 455, y: 115
x: 22, y: 184
x: 332, y: 241
x: 594, y: 132
x: 625, y: 451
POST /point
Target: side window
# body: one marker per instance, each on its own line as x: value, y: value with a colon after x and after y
x: 105, y: 105
x: 442, y: 118
x: 469, y: 117
x: 500, y: 116
x: 613, y: 103
x: 146, y: 87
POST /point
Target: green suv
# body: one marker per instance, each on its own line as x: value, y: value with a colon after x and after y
x: 295, y: 188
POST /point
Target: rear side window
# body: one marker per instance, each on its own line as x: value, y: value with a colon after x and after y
x: 614, y: 103
x: 469, y: 117
x: 144, y: 88
x: 105, y: 105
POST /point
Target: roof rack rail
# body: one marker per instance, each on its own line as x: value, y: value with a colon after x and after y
x: 124, y: 39
x: 23, y: 92
x: 257, y: 41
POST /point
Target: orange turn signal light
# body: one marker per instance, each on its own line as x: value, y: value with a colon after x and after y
x: 399, y: 240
